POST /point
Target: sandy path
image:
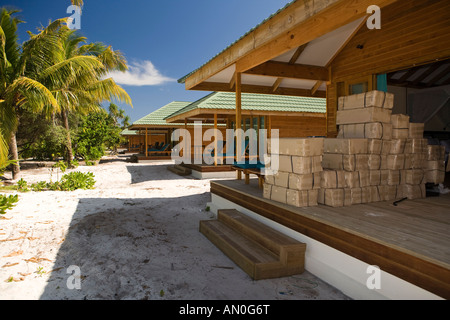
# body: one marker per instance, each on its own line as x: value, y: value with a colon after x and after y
x: 134, y: 237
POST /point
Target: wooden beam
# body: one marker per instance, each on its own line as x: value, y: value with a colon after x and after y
x: 233, y: 81
x: 293, y: 60
x: 432, y: 68
x: 439, y: 76
x: 292, y: 71
x: 316, y: 87
x: 225, y: 87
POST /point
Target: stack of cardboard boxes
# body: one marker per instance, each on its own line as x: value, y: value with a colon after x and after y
x: 297, y: 181
x: 377, y: 156
x: 435, y: 164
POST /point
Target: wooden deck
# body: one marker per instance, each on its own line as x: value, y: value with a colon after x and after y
x: 209, y: 168
x: 410, y: 240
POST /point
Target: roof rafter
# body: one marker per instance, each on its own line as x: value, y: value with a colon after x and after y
x: 292, y: 71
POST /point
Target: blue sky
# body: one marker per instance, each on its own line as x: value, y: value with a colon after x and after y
x: 162, y: 40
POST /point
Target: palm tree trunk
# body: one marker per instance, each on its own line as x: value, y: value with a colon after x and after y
x: 14, y: 156
x: 65, y: 115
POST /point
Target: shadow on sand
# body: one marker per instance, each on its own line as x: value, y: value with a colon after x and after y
x: 124, y: 247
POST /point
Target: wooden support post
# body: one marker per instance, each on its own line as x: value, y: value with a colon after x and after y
x: 215, y: 139
x: 238, y: 115
x: 184, y: 139
x: 146, y: 142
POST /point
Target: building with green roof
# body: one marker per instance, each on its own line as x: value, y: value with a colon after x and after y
x: 293, y: 116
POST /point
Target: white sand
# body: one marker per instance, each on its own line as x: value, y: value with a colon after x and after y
x: 134, y: 237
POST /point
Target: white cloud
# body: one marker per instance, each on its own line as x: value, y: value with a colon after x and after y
x: 140, y: 74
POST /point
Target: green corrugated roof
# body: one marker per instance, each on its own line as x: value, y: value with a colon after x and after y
x: 127, y: 132
x: 157, y: 117
x: 257, y: 102
x: 183, y: 79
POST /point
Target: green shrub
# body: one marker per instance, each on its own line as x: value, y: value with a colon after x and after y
x: 7, y: 202
x: 40, y: 186
x: 77, y: 180
x: 22, y: 185
x: 61, y: 165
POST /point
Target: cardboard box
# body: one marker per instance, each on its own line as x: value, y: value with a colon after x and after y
x: 400, y: 133
x: 362, y: 130
x: 434, y: 176
x: 386, y: 146
x: 364, y: 178
x: 345, y: 146
x: 375, y: 98
x: 307, y: 198
x: 397, y: 146
x: 435, y: 152
x: 367, y: 161
x: 267, y: 191
x: 416, y: 146
x: 400, y: 121
x: 374, y: 146
x: 301, y: 181
x: 303, y: 147
x: 352, y: 196
x: 351, y: 179
x: 285, y: 163
x: 363, y: 115
x: 415, y: 160
x: 416, y: 191
x: 387, y: 193
x: 395, y: 161
x: 269, y: 179
x: 332, y: 179
x: 416, y: 130
x: 374, y: 177
x: 305, y: 165
x: 435, y: 165
x: 331, y: 197
x: 374, y: 162
x: 279, y: 194
x: 282, y: 179
x: 316, y: 164
x: 369, y: 194
x: 412, y: 176
x: 387, y: 131
x: 393, y: 177
x: 337, y: 161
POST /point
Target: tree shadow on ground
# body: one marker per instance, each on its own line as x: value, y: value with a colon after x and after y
x: 123, y: 247
x: 140, y: 173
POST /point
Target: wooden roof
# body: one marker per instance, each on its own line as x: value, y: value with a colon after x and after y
x: 288, y: 54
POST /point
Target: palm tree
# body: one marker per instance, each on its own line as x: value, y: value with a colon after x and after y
x: 17, y: 89
x: 77, y: 77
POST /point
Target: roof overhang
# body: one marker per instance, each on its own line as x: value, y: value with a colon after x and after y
x: 207, y: 115
x: 288, y: 54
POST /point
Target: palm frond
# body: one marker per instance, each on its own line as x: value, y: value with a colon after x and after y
x: 108, y: 90
x: 33, y: 94
x: 67, y: 71
x: 77, y: 3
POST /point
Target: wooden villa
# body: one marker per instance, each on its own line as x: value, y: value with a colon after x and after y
x: 328, y: 49
x: 152, y: 132
x: 134, y: 140
x: 291, y: 116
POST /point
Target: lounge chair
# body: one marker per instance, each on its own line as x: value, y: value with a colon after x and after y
x: 164, y: 150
